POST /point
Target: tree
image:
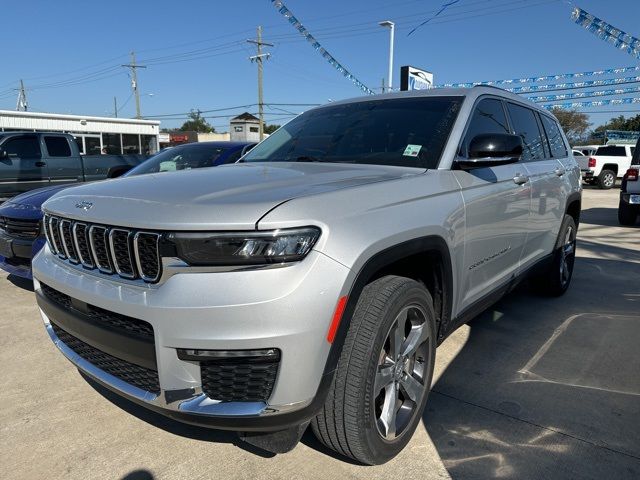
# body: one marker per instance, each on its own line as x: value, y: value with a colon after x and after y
x: 574, y: 123
x: 270, y: 128
x: 621, y: 123
x: 196, y: 123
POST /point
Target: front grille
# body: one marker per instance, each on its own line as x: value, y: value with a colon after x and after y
x: 128, y: 253
x: 143, y: 378
x: 55, y: 296
x: 239, y: 380
x: 27, y: 229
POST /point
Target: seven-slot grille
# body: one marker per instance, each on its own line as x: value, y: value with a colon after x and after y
x: 125, y: 252
x: 20, y: 228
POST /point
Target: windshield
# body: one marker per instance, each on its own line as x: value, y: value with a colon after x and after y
x: 183, y: 157
x: 407, y: 132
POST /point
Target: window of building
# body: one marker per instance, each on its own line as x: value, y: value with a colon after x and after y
x: 237, y: 128
x: 526, y: 126
x: 254, y: 129
x: 558, y: 148
x: 488, y: 117
x: 130, y: 143
x: 57, y: 146
x: 23, y: 147
x: 149, y: 144
x: 92, y: 145
x: 80, y: 143
x: 112, y: 143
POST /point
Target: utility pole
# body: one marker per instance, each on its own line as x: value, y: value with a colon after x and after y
x: 391, y: 26
x: 21, y: 105
x: 134, y: 81
x: 258, y: 59
x: 115, y: 107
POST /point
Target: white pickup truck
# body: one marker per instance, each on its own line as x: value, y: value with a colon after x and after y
x: 608, y: 163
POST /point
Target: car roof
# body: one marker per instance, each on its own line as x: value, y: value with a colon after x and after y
x: 219, y: 143
x: 473, y: 92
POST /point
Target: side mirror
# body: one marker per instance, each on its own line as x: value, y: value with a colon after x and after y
x: 115, y: 172
x: 492, y: 149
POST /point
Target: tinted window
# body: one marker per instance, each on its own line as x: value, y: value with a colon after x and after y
x: 558, y: 148
x: 488, y: 117
x: 112, y: 143
x: 130, y: 143
x: 612, y: 151
x: 526, y: 126
x: 58, y: 146
x: 633, y: 151
x: 23, y: 147
x: 183, y: 157
x: 410, y: 132
x: 233, y: 157
x: 93, y: 145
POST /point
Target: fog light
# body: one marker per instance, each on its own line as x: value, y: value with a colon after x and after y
x: 266, y: 354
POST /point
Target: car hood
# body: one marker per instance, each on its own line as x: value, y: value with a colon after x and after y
x: 28, y: 205
x: 228, y: 197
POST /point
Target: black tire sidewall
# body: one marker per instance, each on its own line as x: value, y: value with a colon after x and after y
x: 556, y: 287
x: 379, y: 449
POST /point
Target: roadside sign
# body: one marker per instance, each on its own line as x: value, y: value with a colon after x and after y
x: 412, y: 78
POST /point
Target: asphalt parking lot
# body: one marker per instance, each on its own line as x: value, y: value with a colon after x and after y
x: 532, y: 388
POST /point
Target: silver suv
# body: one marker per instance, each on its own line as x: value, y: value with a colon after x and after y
x: 312, y: 281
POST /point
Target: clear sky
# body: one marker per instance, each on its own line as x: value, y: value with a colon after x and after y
x: 69, y: 53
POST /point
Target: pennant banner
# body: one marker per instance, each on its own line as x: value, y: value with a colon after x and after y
x: 568, y: 86
x: 547, y: 78
x: 596, y: 103
x: 285, y: 12
x: 607, y: 32
x: 598, y: 93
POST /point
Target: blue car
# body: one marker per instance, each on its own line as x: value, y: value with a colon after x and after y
x: 20, y: 217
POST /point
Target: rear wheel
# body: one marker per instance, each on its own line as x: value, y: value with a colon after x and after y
x: 384, y: 373
x: 606, y: 179
x: 555, y: 281
x: 627, y: 214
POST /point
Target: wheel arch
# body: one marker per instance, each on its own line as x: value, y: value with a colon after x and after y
x: 574, y: 206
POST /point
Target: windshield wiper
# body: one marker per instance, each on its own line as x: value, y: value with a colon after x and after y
x: 309, y: 158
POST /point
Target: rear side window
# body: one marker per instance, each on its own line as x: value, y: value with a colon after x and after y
x: 612, y: 151
x: 558, y: 148
x: 23, y: 147
x: 488, y: 117
x: 525, y: 125
x: 57, y: 146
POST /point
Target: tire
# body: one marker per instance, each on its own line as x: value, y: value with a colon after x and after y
x: 627, y: 214
x: 557, y: 278
x: 352, y: 421
x: 606, y: 179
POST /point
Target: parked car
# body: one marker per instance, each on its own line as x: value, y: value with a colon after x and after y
x: 30, y: 160
x: 311, y: 282
x: 21, y: 234
x: 577, y: 153
x: 586, y: 150
x: 629, y: 206
x: 609, y: 163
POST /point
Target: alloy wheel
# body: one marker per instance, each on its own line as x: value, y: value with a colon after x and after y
x: 403, y: 368
x: 567, y: 252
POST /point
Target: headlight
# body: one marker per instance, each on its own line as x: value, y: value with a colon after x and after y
x: 244, y: 248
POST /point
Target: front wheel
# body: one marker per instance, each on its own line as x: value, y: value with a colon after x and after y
x: 384, y: 374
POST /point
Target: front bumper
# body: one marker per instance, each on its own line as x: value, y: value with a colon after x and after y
x: 16, y: 254
x: 287, y: 308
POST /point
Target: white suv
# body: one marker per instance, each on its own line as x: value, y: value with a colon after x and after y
x: 311, y: 282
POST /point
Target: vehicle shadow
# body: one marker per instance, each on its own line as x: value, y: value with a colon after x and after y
x: 606, y: 217
x: 138, y: 475
x: 23, y: 283
x: 172, y: 426
x: 547, y: 388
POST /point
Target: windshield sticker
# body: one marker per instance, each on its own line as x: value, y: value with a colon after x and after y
x: 412, y: 150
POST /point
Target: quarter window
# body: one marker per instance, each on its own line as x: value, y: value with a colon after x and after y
x: 525, y: 125
x: 58, y: 146
x: 23, y: 147
x: 488, y: 117
x: 558, y: 148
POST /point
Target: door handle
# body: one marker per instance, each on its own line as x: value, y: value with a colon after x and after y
x: 560, y: 171
x: 520, y: 179
x: 41, y: 164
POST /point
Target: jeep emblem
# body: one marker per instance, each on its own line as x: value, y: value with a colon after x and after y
x: 84, y: 205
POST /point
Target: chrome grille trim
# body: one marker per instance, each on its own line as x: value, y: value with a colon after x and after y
x: 103, y: 268
x: 136, y: 250
x: 69, y: 250
x: 89, y: 263
x: 53, y: 229
x: 121, y: 269
x: 47, y: 232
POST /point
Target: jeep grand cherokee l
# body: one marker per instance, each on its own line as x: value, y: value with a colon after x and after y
x: 311, y: 283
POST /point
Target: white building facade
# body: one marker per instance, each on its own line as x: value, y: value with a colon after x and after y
x: 93, y: 135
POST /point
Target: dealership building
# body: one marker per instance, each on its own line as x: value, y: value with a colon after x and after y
x: 92, y: 134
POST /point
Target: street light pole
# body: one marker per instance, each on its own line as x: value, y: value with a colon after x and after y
x: 392, y: 26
